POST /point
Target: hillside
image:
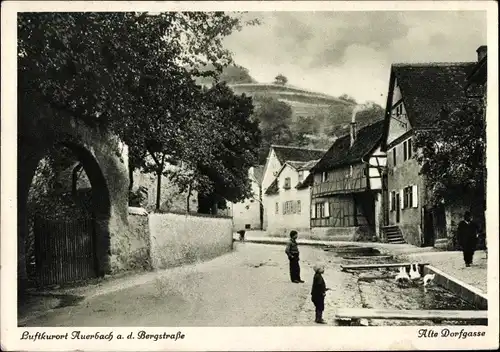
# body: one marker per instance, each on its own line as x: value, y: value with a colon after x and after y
x: 303, y: 102
x: 326, y: 117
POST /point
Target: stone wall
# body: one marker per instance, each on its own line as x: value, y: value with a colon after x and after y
x: 178, y: 239
x: 404, y: 174
x: 171, y: 199
x: 131, y: 250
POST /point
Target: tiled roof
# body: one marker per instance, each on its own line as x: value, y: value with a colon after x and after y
x: 273, y: 187
x: 340, y: 153
x: 307, y: 182
x: 479, y: 73
x: 302, y: 165
x: 426, y: 88
x: 284, y: 153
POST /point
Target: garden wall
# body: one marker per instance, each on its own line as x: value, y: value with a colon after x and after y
x: 178, y: 239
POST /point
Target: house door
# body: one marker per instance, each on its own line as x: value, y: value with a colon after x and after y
x: 429, y: 234
x: 398, y: 208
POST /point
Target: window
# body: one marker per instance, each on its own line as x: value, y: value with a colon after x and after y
x: 291, y: 207
x: 287, y: 183
x: 399, y: 110
x: 407, y: 148
x: 277, y: 208
x: 320, y: 210
x: 301, y: 176
x: 394, y: 156
x: 410, y: 197
x: 324, y: 176
x: 407, y: 197
x: 392, y: 201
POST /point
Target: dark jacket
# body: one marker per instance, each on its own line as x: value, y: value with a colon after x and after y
x: 292, y: 249
x: 467, y: 234
x: 318, y: 287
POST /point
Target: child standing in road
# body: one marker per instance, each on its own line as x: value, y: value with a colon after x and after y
x: 318, y: 293
x: 292, y: 251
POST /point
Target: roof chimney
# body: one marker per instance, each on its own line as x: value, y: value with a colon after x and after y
x: 481, y: 52
x: 356, y: 109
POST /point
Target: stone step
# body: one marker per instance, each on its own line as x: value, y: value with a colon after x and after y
x: 395, y: 234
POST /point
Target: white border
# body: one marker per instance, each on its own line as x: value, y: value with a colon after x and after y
x: 288, y: 338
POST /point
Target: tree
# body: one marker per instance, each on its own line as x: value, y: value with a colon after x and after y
x: 302, y: 128
x: 452, y: 156
x: 129, y: 73
x: 281, y: 80
x: 233, y: 74
x: 275, y: 118
x: 224, y: 144
x: 348, y: 98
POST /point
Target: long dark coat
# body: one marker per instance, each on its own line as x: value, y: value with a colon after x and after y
x: 467, y: 235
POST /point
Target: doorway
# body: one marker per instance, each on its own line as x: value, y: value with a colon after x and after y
x: 429, y: 233
x: 398, y: 208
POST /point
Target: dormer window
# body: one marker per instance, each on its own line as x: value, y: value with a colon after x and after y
x: 287, y: 183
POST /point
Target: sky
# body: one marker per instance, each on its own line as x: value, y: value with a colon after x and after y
x: 351, y: 52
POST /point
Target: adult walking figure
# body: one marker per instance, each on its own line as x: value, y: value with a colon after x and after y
x: 292, y: 251
x: 467, y: 237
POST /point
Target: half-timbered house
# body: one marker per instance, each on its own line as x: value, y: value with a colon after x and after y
x: 346, y: 186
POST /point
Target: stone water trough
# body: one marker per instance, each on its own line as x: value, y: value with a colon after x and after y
x: 356, y: 316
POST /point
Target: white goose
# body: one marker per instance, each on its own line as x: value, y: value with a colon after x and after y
x: 402, y: 277
x: 414, y: 273
x: 428, y: 279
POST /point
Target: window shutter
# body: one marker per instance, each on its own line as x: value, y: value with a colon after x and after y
x: 298, y: 207
x: 284, y: 208
x: 327, y: 210
x: 313, y: 211
x: 405, y: 151
x: 401, y: 199
x: 390, y: 200
x: 414, y: 196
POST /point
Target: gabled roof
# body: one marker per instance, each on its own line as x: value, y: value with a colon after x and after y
x: 426, y: 88
x: 302, y: 165
x: 298, y: 166
x: 285, y: 153
x: 341, y: 153
x: 479, y: 72
x: 273, y: 187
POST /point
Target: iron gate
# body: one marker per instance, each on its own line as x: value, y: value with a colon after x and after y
x: 64, y: 250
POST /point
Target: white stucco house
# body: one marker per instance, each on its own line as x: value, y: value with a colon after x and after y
x: 288, y: 201
x: 278, y: 155
x: 248, y: 215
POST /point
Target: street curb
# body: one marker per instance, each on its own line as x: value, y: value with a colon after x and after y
x: 463, y: 290
x: 319, y: 244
